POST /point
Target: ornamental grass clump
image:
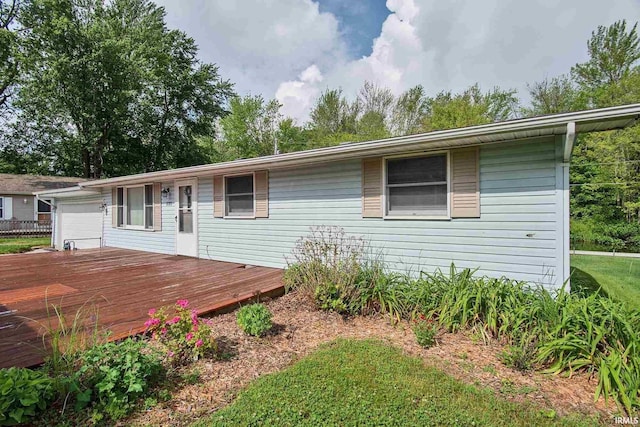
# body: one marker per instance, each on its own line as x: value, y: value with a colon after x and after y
x: 185, y: 336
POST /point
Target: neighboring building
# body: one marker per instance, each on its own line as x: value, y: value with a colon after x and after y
x: 17, y: 200
x: 493, y: 197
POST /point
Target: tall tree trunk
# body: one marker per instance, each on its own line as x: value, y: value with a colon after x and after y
x: 86, y: 163
x: 98, y: 160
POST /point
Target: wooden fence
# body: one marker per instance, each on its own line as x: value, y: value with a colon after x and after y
x: 16, y: 228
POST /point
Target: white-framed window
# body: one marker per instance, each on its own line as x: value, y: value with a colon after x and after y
x: 43, y: 209
x: 239, y: 194
x: 417, y: 186
x: 2, y: 208
x: 134, y: 207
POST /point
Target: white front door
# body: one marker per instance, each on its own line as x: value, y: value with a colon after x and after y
x: 187, y: 217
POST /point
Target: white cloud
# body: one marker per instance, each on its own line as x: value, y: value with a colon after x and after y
x: 288, y: 49
x: 259, y: 43
x: 297, y: 96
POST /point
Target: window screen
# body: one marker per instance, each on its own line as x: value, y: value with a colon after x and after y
x: 239, y: 195
x: 135, y: 206
x: 417, y: 186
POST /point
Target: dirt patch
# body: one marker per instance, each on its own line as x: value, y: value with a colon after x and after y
x: 300, y: 329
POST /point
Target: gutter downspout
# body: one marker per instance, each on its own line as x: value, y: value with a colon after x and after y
x: 569, y: 141
x: 53, y: 220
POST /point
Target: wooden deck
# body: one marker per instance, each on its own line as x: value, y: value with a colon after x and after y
x: 122, y: 285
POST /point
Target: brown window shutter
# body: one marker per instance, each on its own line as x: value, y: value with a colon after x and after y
x: 157, y: 206
x: 372, y: 188
x: 262, y: 194
x: 218, y: 197
x: 465, y: 183
x: 114, y: 207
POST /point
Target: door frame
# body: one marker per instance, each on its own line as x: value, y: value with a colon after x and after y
x: 194, y: 202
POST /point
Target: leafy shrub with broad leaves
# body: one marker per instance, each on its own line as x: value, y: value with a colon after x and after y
x: 117, y: 374
x: 254, y: 319
x: 186, y: 336
x: 23, y: 394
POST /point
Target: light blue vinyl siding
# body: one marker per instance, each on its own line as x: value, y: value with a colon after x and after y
x: 151, y: 241
x: 516, y: 234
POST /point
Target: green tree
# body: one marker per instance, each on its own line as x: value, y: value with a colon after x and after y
x: 613, y: 51
x: 333, y: 119
x: 551, y: 96
x: 109, y: 90
x: 8, y: 51
x: 252, y: 129
x: 606, y: 165
x: 471, y: 107
x: 408, y: 112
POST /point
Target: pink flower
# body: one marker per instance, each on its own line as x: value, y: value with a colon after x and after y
x: 182, y: 303
x: 173, y: 321
x: 151, y: 322
x: 199, y: 343
x: 189, y: 336
x: 170, y: 354
x: 194, y: 317
x: 152, y: 312
x: 163, y: 331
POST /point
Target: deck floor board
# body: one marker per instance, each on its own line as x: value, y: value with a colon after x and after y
x: 121, y: 284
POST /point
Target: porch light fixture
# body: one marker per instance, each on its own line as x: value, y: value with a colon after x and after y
x: 166, y: 191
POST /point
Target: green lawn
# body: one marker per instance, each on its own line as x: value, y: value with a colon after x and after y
x: 617, y: 276
x: 14, y: 246
x: 350, y: 382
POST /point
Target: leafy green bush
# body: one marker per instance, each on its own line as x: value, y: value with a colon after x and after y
x: 254, y: 319
x: 607, y: 236
x: 425, y: 331
x: 23, y: 394
x: 185, y: 335
x: 117, y: 374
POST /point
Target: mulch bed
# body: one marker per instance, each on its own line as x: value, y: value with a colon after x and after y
x: 299, y: 329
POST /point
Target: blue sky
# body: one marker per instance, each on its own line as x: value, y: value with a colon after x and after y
x: 359, y: 22
x: 292, y: 50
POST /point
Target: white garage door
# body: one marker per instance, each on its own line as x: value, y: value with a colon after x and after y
x: 80, y: 222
